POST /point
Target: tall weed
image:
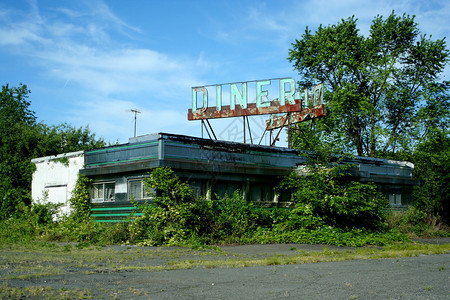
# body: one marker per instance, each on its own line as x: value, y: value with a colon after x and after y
x: 417, y: 223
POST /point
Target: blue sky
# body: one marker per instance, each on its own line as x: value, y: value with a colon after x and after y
x: 87, y: 62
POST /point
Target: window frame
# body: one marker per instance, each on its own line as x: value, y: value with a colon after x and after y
x: 144, y: 194
x: 103, y: 198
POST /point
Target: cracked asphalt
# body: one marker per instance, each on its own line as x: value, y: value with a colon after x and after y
x: 420, y: 277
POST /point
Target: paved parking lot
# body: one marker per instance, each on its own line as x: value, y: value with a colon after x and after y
x: 419, y: 277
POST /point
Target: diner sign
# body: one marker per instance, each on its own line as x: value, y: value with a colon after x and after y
x: 269, y: 96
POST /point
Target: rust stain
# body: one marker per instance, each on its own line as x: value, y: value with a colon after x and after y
x: 296, y: 117
x: 251, y: 110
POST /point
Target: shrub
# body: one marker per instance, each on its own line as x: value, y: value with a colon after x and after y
x: 234, y: 217
x: 80, y: 202
x: 29, y: 222
x: 329, y: 209
x: 45, y: 213
x: 302, y: 216
x: 333, y: 197
x: 16, y: 231
x: 416, y: 222
x: 175, y: 216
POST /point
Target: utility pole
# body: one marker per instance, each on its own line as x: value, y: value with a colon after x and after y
x: 135, y: 111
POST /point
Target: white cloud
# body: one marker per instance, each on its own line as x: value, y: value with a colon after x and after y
x: 98, y: 9
x: 123, y: 70
x: 86, y: 55
x: 19, y: 33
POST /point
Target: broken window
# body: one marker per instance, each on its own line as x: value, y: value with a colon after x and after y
x: 103, y: 192
x: 395, y: 196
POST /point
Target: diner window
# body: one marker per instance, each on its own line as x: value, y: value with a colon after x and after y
x: 260, y: 192
x: 223, y: 188
x: 103, y: 192
x: 395, y: 197
x: 137, y: 190
x: 198, y: 188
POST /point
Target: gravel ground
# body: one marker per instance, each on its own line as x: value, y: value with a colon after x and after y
x: 421, y: 277
x: 405, y: 278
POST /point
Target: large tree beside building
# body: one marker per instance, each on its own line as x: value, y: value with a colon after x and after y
x: 384, y: 98
x: 384, y: 91
x: 23, y: 138
x: 17, y: 145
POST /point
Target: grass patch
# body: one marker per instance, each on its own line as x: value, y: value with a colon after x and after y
x: 22, y: 263
x: 42, y: 292
x: 428, y: 288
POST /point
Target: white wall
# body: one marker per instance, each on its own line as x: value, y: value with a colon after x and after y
x: 56, y: 177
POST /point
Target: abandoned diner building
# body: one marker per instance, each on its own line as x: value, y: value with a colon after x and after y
x: 212, y: 167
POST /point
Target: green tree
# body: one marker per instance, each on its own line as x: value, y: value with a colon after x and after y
x: 382, y: 89
x: 66, y: 138
x: 17, y: 146
x: 432, y: 168
x: 22, y: 138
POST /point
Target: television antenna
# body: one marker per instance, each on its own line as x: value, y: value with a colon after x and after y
x: 135, y: 111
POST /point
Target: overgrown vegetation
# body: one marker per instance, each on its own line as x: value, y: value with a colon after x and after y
x: 432, y: 168
x: 80, y: 202
x: 176, y: 217
x: 335, y: 199
x: 417, y: 223
x: 351, y: 215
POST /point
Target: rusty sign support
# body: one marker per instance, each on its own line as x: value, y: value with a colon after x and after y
x: 243, y: 124
x: 249, y: 130
x: 207, y: 131
x: 246, y: 126
x: 289, y: 130
x: 244, y: 120
x: 262, y: 136
x: 279, y: 131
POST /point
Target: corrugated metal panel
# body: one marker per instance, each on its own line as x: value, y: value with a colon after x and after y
x: 121, y: 154
x: 114, y: 212
x: 233, y: 157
